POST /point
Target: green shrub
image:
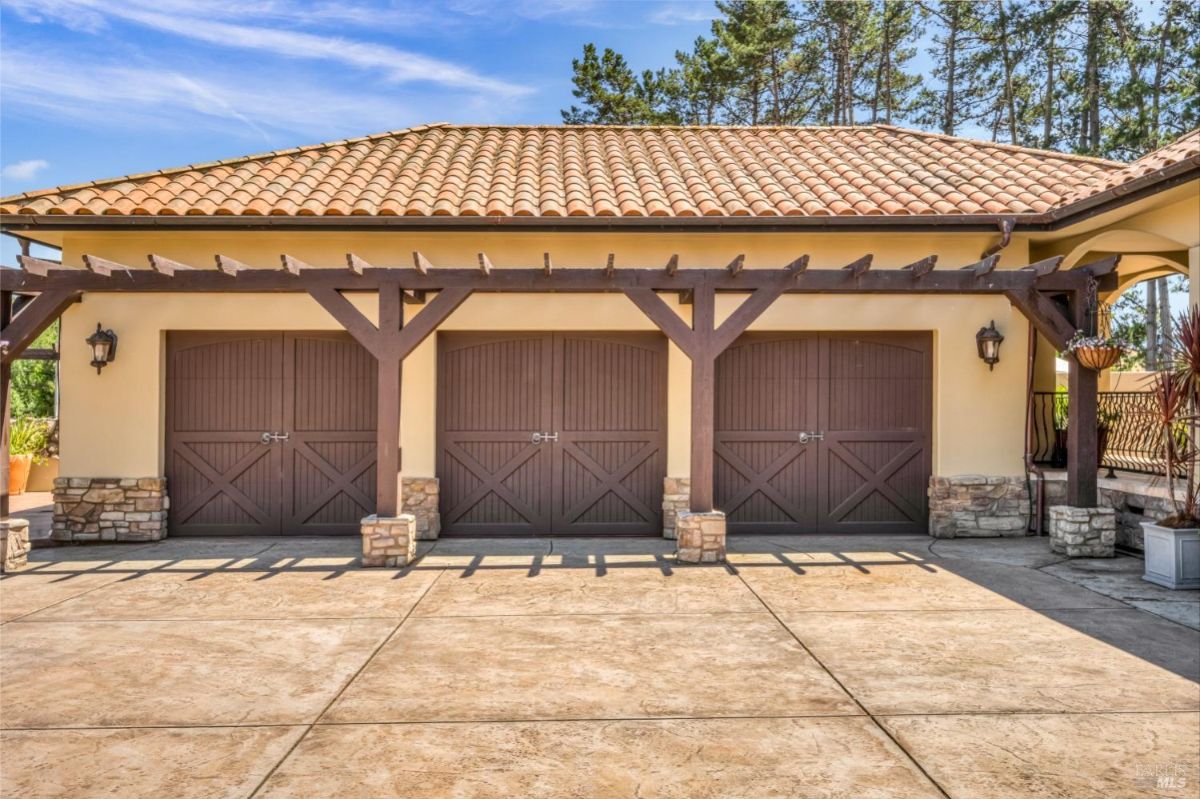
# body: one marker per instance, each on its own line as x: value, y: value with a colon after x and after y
x: 29, y: 436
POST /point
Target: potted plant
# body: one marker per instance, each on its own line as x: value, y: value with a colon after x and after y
x: 1107, y: 420
x: 1172, y: 544
x: 27, y: 442
x: 1095, y: 352
x: 1060, y: 413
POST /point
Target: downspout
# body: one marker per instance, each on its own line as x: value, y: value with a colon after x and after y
x: 1036, y: 506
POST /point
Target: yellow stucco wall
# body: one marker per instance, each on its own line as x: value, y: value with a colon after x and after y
x: 112, y: 423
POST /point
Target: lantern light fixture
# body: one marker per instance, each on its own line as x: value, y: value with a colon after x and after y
x: 988, y: 340
x: 103, y: 344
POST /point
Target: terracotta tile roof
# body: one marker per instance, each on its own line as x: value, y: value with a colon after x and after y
x: 1186, y: 147
x: 467, y: 171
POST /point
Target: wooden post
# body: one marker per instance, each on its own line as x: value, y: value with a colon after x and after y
x: 6, y: 298
x: 391, y: 342
x: 387, y: 428
x: 387, y: 439
x: 1082, y: 432
x: 702, y: 343
x: 704, y: 362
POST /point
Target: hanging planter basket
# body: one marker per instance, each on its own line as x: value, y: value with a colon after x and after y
x: 1098, y: 358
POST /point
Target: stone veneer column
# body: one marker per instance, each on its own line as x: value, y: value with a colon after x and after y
x: 1082, y: 532
x: 701, y: 537
x: 389, y: 541
x: 977, y: 506
x: 110, y: 509
x: 677, y: 493
x: 419, y: 497
x: 14, y: 544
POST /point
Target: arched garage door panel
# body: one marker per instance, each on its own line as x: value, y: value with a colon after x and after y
x: 603, y: 395
x: 867, y: 396
x: 224, y: 390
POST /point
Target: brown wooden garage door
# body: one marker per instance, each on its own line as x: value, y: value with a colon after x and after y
x: 868, y: 398
x: 603, y: 395
x: 225, y: 390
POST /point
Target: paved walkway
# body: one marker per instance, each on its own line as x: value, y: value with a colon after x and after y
x: 38, y: 508
x: 843, y: 666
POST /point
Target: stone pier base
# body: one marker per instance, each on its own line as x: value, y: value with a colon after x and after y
x: 110, y: 509
x: 978, y: 506
x: 389, y: 541
x: 419, y: 496
x: 14, y: 544
x: 700, y: 537
x: 677, y: 493
x: 1082, y: 532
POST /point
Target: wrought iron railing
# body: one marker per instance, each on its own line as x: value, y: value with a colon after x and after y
x: 1129, y: 438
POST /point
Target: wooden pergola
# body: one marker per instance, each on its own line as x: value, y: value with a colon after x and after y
x: 1057, y: 303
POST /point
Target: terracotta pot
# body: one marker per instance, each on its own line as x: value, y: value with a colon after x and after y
x: 1098, y: 358
x: 18, y: 473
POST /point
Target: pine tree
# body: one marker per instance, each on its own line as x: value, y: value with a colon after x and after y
x: 893, y: 94
x: 757, y: 39
x: 613, y: 95
x: 701, y: 83
x: 845, y: 29
x: 1047, y: 60
x: 956, y: 101
x: 1103, y: 77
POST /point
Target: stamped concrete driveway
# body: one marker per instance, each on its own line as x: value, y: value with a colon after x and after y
x: 849, y: 667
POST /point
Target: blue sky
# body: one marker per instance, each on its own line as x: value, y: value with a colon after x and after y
x: 98, y: 88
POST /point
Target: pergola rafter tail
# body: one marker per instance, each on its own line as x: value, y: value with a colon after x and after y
x: 296, y: 276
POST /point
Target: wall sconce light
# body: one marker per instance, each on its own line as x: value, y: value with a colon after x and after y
x: 104, y: 347
x: 988, y: 340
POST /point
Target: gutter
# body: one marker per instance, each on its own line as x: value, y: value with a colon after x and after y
x: 1058, y: 218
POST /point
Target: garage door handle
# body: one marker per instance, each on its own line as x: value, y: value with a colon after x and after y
x: 538, y: 438
x: 807, y: 437
x: 268, y: 438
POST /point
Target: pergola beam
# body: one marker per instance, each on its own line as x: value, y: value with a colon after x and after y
x: 884, y: 281
x: 1045, y: 316
x: 390, y: 342
x: 29, y: 322
x: 703, y: 341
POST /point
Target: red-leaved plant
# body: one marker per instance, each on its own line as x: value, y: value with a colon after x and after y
x: 1177, y: 405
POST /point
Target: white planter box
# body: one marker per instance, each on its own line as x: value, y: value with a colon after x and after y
x: 1172, y: 556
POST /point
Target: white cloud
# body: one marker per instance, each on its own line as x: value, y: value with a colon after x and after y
x: 268, y: 107
x: 24, y: 171
x: 201, y: 22
x: 683, y: 12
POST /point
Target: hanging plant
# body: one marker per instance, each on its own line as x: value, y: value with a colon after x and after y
x: 1096, y: 352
